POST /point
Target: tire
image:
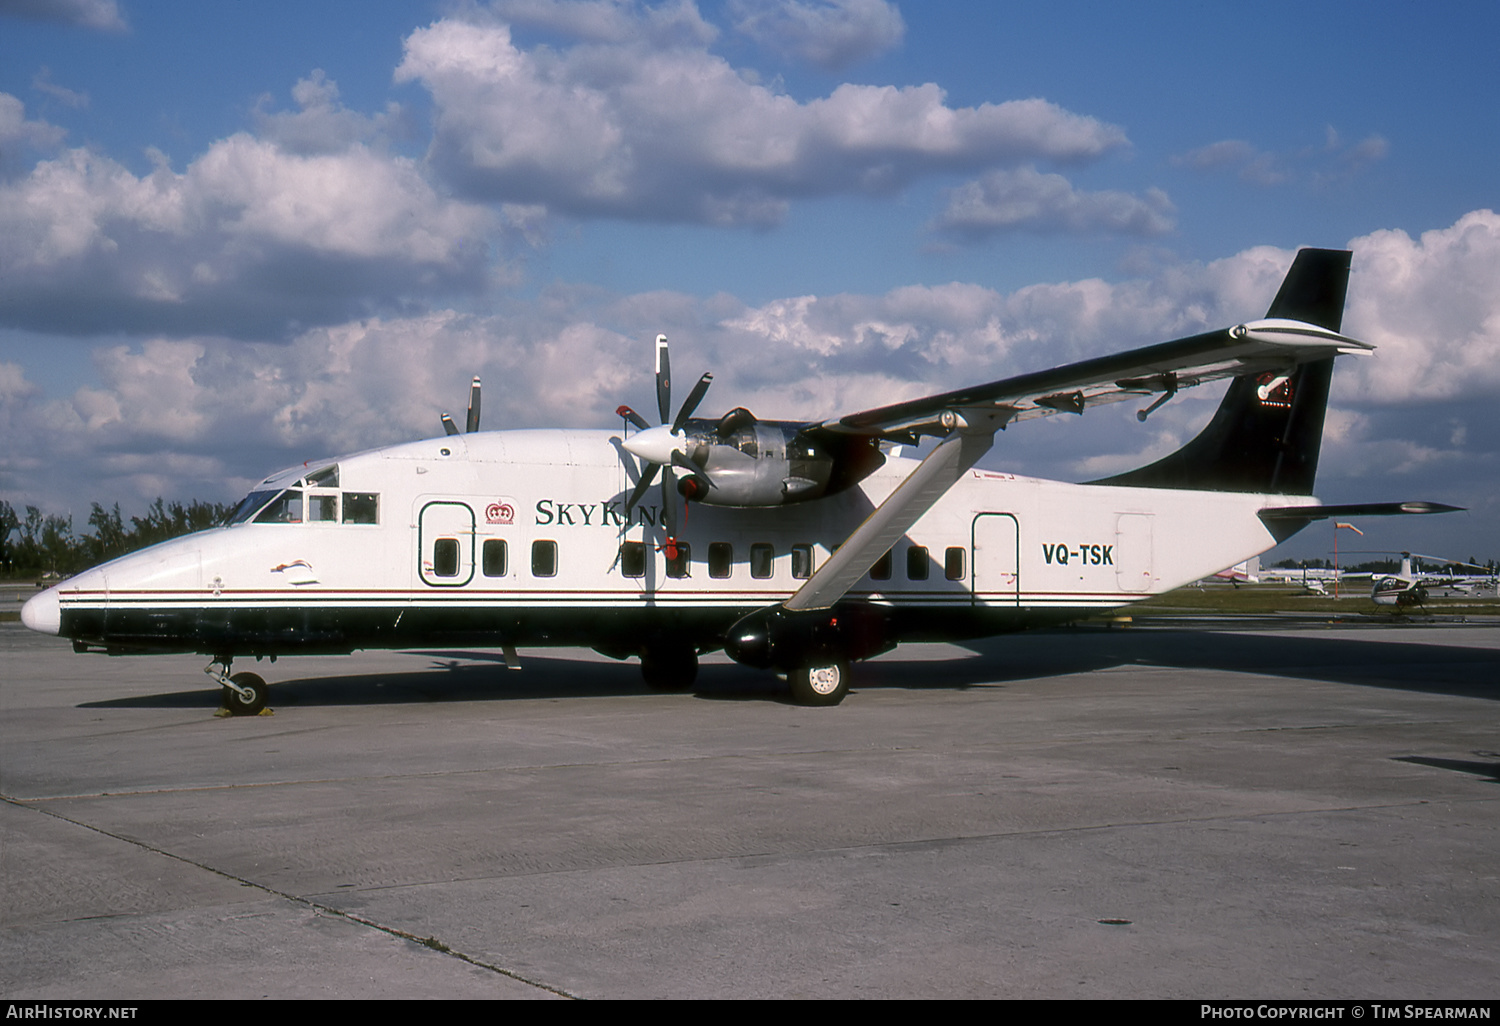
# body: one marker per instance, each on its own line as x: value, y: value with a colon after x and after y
x: 669, y: 669
x: 238, y: 704
x: 820, y: 683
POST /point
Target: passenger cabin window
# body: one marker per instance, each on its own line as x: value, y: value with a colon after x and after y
x: 361, y: 508
x: 881, y: 571
x: 720, y: 560
x: 953, y: 563
x: 678, y: 556
x: 445, y: 557
x: 544, y: 559
x: 495, y: 557
x: 916, y: 563
x: 802, y: 562
x: 761, y: 560
x: 633, y: 559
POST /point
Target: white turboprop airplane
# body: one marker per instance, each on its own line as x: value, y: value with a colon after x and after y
x: 807, y: 547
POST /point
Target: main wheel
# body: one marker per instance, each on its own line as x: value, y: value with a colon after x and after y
x: 669, y: 669
x: 820, y: 683
x: 242, y: 705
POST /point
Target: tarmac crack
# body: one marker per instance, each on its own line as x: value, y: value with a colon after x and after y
x: 431, y: 943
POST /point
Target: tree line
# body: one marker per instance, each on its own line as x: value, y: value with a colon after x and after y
x: 34, y: 542
x: 1390, y: 566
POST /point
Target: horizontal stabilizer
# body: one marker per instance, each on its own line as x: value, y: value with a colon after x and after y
x: 1356, y: 509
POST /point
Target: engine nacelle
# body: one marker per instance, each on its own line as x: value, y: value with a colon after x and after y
x: 746, y: 462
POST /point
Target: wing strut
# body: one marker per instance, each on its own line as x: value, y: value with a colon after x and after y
x: 971, y: 438
x: 806, y: 626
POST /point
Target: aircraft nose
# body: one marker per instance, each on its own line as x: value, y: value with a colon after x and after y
x: 43, y: 613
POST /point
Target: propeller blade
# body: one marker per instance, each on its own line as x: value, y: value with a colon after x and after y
x: 633, y: 417
x: 640, y: 488
x: 669, y: 502
x: 449, y: 427
x: 472, y: 424
x: 663, y: 380
x: 694, y: 398
x: 679, y: 460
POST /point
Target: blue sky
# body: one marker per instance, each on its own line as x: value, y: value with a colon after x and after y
x: 235, y: 236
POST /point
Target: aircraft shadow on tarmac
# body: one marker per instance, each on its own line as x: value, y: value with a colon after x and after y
x: 1473, y: 767
x: 477, y: 676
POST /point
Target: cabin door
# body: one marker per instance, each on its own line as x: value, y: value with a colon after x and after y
x: 1133, y: 555
x: 997, y: 560
x: 445, y: 544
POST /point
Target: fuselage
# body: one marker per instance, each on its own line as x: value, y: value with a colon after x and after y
x: 522, y: 538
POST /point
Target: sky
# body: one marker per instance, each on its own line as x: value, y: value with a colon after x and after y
x: 237, y: 236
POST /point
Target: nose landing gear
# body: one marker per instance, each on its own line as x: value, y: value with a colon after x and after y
x: 244, y: 694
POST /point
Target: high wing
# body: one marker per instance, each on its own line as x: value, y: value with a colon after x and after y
x: 1301, y: 326
x: 1274, y: 345
x: 968, y: 419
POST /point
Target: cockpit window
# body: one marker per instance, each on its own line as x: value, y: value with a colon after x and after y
x: 286, y: 508
x: 328, y: 477
x: 248, y: 507
x: 323, y: 507
x: 314, y: 499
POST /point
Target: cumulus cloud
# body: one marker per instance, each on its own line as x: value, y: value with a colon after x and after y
x: 221, y: 411
x: 249, y: 239
x: 324, y: 125
x: 675, y: 134
x: 611, y: 21
x: 831, y: 34
x: 1431, y: 305
x: 18, y: 133
x: 1025, y: 199
x: 103, y: 15
x: 204, y: 416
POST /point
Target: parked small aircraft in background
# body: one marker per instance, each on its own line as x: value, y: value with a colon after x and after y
x: 1315, y: 586
x: 1407, y: 588
x: 810, y: 545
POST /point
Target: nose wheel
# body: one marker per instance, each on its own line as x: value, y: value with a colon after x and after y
x: 247, y: 696
x: 244, y: 694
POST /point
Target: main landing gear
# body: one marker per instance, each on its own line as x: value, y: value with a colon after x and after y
x: 244, y: 694
x: 822, y: 682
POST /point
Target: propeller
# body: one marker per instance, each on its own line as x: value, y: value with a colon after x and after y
x: 663, y: 447
x: 471, y: 423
